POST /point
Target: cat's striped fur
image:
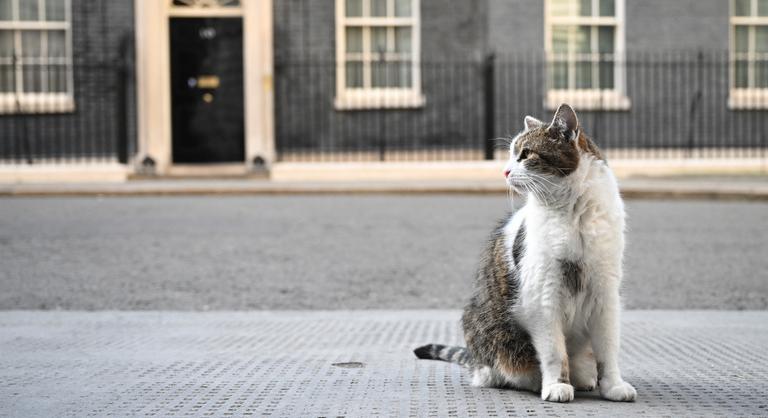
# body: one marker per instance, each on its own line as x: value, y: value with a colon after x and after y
x: 452, y: 354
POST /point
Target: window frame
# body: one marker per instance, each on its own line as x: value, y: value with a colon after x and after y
x: 209, y: 10
x: 377, y: 97
x: 20, y: 101
x: 744, y: 97
x: 592, y: 98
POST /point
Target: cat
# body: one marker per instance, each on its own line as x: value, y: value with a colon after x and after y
x: 544, y: 315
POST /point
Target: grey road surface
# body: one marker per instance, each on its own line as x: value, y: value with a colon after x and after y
x: 341, y: 252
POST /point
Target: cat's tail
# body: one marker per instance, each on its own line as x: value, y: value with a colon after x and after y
x: 458, y: 355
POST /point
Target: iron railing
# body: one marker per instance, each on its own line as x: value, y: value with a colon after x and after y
x: 89, y: 123
x: 664, y: 105
x: 669, y: 105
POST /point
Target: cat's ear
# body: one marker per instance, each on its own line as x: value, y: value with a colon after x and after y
x: 565, y: 122
x: 532, y: 123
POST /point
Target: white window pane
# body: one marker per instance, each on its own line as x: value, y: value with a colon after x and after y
x: 33, y: 78
x: 395, y: 74
x: 54, y: 10
x: 388, y: 74
x: 607, y: 7
x: 6, y: 12
x: 29, y: 10
x: 583, y: 74
x: 761, y: 38
x: 403, y: 8
x: 57, y: 44
x: 606, y: 74
x: 404, y: 74
x: 560, y: 7
x: 403, y: 40
x: 194, y: 3
x: 560, y: 39
x: 6, y: 43
x: 378, y: 8
x: 762, y: 7
x: 378, y: 40
x: 560, y: 75
x: 740, y: 73
x: 605, y: 39
x: 761, y: 74
x: 741, y: 38
x: 57, y: 78
x: 585, y: 8
x: 354, y: 74
x: 742, y: 7
x: 378, y: 76
x: 584, y: 39
x: 7, y: 80
x: 353, y: 8
x: 354, y: 39
x: 31, y: 43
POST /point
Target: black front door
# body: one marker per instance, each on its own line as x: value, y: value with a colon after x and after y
x: 207, y: 90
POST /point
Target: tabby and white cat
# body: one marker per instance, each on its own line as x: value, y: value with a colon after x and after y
x: 545, y: 312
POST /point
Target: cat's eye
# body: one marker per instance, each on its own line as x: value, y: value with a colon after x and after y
x: 523, y: 154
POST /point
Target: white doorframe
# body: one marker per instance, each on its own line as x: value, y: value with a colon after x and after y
x: 154, y: 88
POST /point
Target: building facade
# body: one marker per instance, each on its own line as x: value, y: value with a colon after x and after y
x: 173, y: 85
x: 63, y: 92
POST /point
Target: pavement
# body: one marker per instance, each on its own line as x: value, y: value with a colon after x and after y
x: 731, y: 187
x: 350, y: 364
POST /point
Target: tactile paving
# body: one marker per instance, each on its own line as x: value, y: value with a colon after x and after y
x: 349, y: 364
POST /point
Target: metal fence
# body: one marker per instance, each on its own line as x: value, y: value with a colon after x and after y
x: 84, y: 120
x: 669, y: 105
x: 678, y: 105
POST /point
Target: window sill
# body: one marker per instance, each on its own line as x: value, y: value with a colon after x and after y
x: 588, y: 99
x: 36, y: 104
x: 747, y: 99
x: 379, y: 99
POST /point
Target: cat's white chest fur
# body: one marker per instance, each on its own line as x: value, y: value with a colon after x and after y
x: 588, y: 231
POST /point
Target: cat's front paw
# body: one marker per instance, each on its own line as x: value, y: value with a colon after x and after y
x: 618, y: 392
x: 557, y: 392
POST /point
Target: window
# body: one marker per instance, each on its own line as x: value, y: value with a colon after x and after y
x: 35, y: 56
x: 377, y: 54
x: 584, y: 44
x: 749, y: 54
x: 207, y: 3
x: 208, y: 8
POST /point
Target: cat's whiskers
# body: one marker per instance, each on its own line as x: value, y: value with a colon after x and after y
x: 531, y: 182
x: 534, y: 188
x: 540, y: 177
x: 511, y: 198
x: 535, y: 184
x: 543, y: 193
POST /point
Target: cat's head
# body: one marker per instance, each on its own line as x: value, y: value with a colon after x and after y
x: 545, y: 154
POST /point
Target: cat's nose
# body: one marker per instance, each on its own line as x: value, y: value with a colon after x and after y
x: 506, y: 173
